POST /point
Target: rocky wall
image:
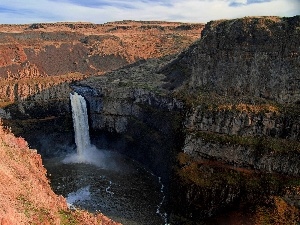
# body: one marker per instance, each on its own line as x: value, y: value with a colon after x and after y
x: 37, y: 97
x: 241, y: 122
x: 252, y: 56
x: 148, y: 124
x: 239, y: 83
x: 240, y: 145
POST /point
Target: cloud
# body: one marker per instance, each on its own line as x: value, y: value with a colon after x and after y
x: 100, y: 11
x: 237, y: 3
x: 97, y: 3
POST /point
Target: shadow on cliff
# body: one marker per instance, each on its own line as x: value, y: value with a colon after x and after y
x: 44, y: 120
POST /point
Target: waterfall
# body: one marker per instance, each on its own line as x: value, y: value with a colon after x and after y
x: 80, y: 123
x: 86, y: 152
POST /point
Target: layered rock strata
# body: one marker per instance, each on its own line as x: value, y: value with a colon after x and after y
x: 227, y: 109
x: 240, y: 81
x: 254, y: 57
x: 243, y: 90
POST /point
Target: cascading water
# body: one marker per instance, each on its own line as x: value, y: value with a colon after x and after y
x: 80, y: 123
x: 86, y: 152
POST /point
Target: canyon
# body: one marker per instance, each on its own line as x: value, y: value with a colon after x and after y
x: 215, y: 115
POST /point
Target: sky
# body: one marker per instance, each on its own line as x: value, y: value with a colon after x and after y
x: 101, y: 11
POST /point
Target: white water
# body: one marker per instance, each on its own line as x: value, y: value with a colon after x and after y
x: 108, y: 189
x: 80, y: 123
x: 83, y: 194
x: 86, y: 153
x: 158, y: 210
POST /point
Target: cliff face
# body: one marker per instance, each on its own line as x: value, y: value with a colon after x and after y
x: 37, y: 64
x: 219, y: 123
x: 37, y: 59
x: 240, y: 82
x: 126, y: 103
x: 22, y: 98
x: 235, y: 131
x: 244, y: 78
x: 266, y: 139
x: 257, y: 57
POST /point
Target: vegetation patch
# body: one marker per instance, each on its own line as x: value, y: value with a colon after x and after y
x: 67, y: 218
x: 35, y: 214
x: 261, y: 193
x: 278, y: 213
x: 263, y: 143
x: 4, y: 104
x: 202, y: 175
x: 211, y: 101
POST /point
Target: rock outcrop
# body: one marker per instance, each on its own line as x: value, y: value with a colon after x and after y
x: 219, y: 122
x: 256, y: 57
x: 231, y: 106
x: 37, y: 64
x: 22, y: 97
x: 240, y: 82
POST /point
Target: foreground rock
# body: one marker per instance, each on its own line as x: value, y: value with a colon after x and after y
x: 26, y: 196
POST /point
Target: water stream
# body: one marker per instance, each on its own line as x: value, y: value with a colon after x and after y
x: 105, y: 181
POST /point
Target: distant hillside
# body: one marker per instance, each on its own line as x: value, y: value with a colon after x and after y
x: 49, y: 49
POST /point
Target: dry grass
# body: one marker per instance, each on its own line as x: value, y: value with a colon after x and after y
x: 248, y: 108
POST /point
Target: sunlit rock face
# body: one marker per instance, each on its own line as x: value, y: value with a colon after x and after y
x: 257, y: 57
